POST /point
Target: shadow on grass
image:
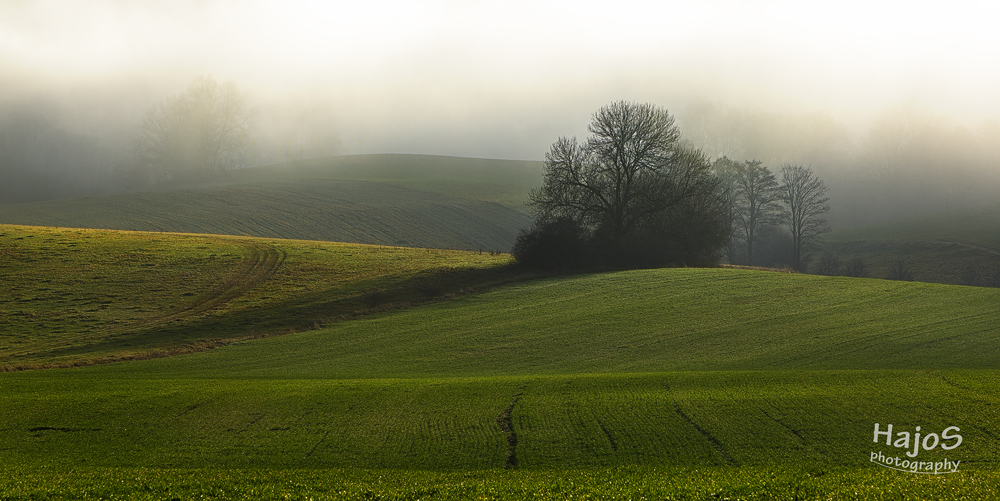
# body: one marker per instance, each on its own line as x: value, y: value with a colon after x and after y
x: 304, y: 312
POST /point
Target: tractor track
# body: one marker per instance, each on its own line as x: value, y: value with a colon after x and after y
x: 260, y: 262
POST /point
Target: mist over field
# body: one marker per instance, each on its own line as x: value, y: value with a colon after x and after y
x: 527, y: 249
x: 893, y: 105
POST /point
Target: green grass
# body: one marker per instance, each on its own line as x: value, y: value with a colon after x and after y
x: 745, y: 434
x: 677, y: 419
x: 679, y: 383
x: 506, y: 182
x: 405, y: 200
x: 639, y: 321
x: 746, y: 483
x: 80, y: 296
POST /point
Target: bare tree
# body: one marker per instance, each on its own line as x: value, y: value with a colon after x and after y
x: 805, y: 200
x: 828, y: 265
x: 630, y: 175
x: 612, y: 180
x: 756, y: 198
x: 727, y: 171
x: 192, y: 135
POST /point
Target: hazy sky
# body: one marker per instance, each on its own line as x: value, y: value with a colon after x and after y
x: 500, y: 79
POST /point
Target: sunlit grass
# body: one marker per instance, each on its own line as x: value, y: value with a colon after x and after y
x: 76, y: 296
x: 663, y: 483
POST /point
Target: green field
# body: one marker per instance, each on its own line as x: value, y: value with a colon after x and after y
x: 936, y: 248
x: 656, y: 384
x: 398, y: 200
x: 84, y: 296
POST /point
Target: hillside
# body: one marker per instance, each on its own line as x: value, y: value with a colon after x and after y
x: 506, y: 182
x: 977, y: 226
x: 76, y: 293
x: 85, y: 296
x: 638, y: 321
x: 954, y: 247
x: 400, y: 200
x: 699, y: 383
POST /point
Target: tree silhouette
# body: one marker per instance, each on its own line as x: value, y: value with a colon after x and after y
x: 191, y: 135
x: 632, y: 190
x: 805, y: 200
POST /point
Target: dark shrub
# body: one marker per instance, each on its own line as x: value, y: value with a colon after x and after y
x: 558, y: 245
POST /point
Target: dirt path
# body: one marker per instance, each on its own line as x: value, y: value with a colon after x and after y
x: 259, y: 263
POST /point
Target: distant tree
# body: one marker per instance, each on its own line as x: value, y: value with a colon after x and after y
x: 900, y: 271
x: 727, y: 170
x: 856, y: 268
x: 757, y: 198
x: 828, y: 264
x: 191, y: 135
x: 633, y: 190
x: 805, y: 203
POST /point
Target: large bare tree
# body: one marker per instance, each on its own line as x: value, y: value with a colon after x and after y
x: 805, y: 200
x: 195, y: 133
x: 756, y: 199
x: 632, y: 173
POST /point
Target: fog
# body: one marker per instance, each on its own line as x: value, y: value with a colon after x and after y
x: 835, y: 86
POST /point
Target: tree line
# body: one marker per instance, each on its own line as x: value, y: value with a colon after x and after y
x: 904, y: 162
x: 635, y: 194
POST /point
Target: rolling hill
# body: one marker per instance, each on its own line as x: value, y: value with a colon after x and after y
x: 74, y: 296
x: 953, y: 247
x: 699, y: 383
x: 400, y: 200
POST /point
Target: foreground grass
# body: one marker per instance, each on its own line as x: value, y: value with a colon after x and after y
x: 802, y: 483
x: 684, y: 419
x: 84, y: 296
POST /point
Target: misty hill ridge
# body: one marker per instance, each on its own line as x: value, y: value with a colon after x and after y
x: 407, y: 200
x: 978, y: 225
x: 954, y: 247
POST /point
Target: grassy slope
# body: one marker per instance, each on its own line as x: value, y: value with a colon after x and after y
x: 506, y: 182
x: 561, y: 352
x: 74, y: 296
x: 937, y: 248
x: 675, y: 375
x: 408, y: 200
x: 638, y: 321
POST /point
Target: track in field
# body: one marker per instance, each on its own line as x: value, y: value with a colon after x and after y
x: 260, y: 262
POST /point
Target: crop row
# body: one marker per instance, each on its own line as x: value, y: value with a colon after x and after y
x: 816, y: 418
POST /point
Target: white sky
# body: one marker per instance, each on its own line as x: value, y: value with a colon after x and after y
x: 504, y: 79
